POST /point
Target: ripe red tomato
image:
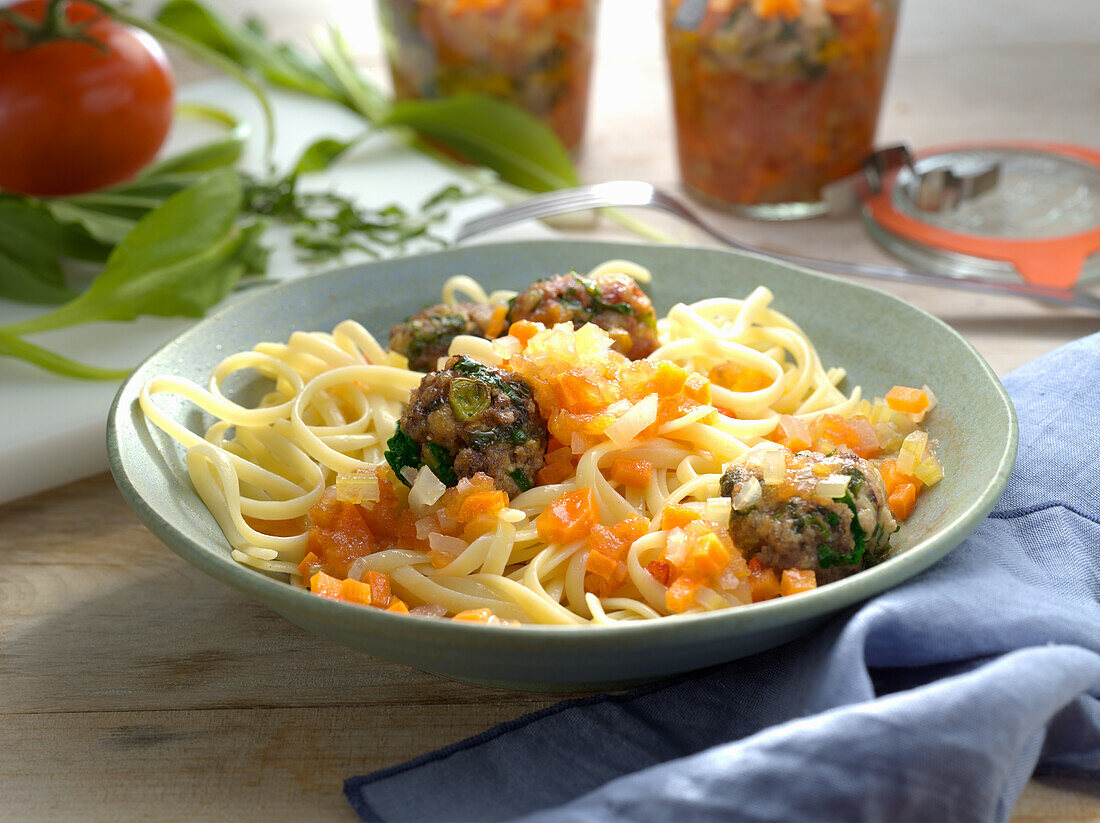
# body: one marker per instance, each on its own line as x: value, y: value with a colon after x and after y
x: 73, y: 117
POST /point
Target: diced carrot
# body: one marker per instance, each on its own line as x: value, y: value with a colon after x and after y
x: 797, y: 580
x: 604, y: 586
x: 554, y: 472
x: 600, y: 564
x: 497, y: 320
x: 792, y: 433
x: 739, y: 378
x: 568, y: 518
x: 631, y: 527
x: 659, y: 570
x: 473, y: 615
x: 707, y: 556
x: 681, y: 593
x: 902, y: 500
x: 677, y: 516
x: 379, y: 589
x: 604, y: 541
x: 908, y: 400
x: 355, y: 592
x: 398, y: 605
x: 580, y: 392
x: 479, y: 504
x: 305, y: 568
x: 635, y: 474
x: 857, y: 433
x: 669, y: 380
x: 763, y: 581
x: 891, y: 477
x: 523, y: 330
x: 325, y: 585
x: 787, y: 9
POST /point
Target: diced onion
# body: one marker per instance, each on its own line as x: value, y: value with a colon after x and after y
x: 356, y: 569
x: 832, y: 487
x: 446, y: 544
x: 676, y: 547
x: 426, y: 490
x: 357, y: 487
x: 773, y: 465
x: 912, y: 450
x: 577, y: 443
x: 717, y: 509
x: 633, y: 422
x: 425, y: 526
x: 429, y: 610
x: 929, y: 471
x: 709, y: 599
x: 409, y: 473
x: 618, y: 407
x: 747, y: 495
x: 889, y: 436
x: 867, y: 519
x: 506, y: 347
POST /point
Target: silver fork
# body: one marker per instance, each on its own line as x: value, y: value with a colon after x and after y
x: 634, y: 193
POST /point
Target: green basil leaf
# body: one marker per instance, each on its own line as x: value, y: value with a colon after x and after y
x: 179, y: 259
x: 28, y: 231
x: 514, y: 144
x: 12, y: 346
x: 215, y: 154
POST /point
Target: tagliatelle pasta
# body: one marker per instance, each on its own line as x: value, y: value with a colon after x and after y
x: 627, y: 519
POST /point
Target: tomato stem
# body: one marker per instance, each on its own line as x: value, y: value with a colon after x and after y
x: 54, y: 25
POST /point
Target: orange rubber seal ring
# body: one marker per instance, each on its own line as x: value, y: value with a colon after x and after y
x: 1051, y: 261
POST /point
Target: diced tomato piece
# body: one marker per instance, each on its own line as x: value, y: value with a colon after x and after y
x: 631, y: 527
x: 659, y: 570
x: 707, y: 556
x: 580, y: 392
x: 739, y: 378
x: 604, y: 541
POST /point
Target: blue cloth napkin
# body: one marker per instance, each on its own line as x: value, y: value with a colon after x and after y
x: 935, y: 701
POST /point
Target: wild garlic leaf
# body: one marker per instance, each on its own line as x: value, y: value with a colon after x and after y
x: 501, y: 136
x: 177, y: 260
x: 12, y: 346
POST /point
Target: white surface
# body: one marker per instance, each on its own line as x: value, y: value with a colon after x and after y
x: 52, y: 429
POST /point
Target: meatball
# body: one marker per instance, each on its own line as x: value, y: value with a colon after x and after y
x: 472, y: 418
x: 614, y: 302
x: 790, y: 527
x: 426, y: 336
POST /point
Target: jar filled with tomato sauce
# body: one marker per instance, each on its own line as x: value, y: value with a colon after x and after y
x: 774, y: 99
x: 536, y: 54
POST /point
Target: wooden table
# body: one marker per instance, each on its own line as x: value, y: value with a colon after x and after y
x: 132, y: 687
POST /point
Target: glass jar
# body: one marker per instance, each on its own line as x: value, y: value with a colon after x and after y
x: 774, y: 99
x: 534, y: 53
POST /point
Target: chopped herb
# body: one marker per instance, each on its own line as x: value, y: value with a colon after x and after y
x: 402, y: 452
x: 441, y: 463
x: 518, y: 391
x: 521, y: 478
